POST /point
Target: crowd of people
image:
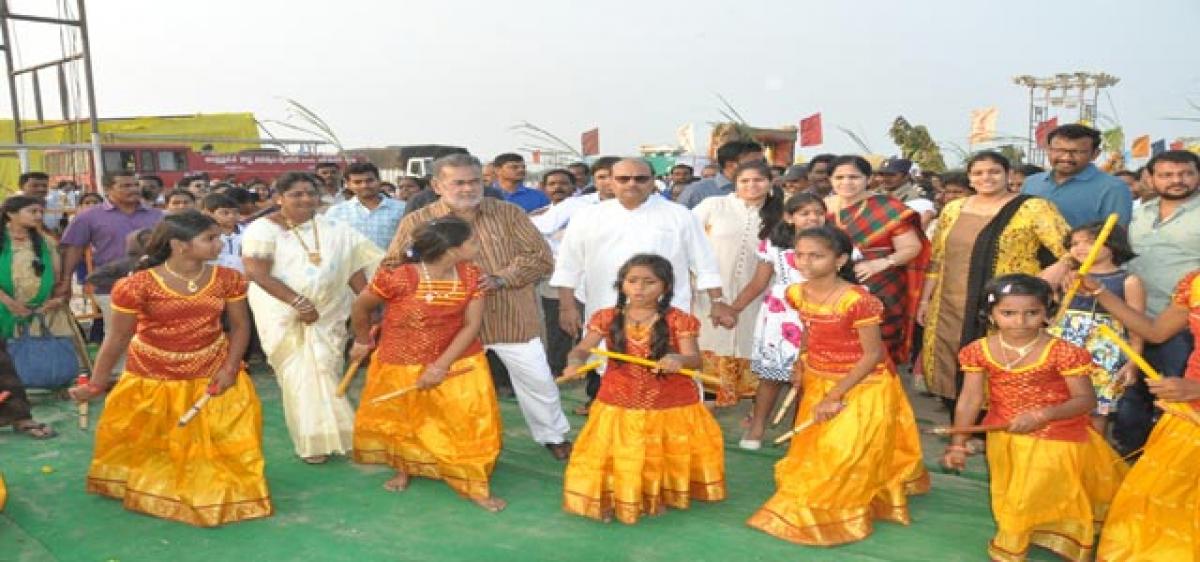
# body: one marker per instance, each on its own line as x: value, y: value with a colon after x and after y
x: 834, y: 281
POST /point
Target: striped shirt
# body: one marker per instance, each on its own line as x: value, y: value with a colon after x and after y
x: 512, y: 249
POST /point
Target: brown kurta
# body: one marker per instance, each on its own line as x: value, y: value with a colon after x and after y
x: 960, y: 242
x: 512, y: 249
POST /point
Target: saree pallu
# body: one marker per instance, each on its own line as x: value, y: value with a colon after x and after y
x: 629, y: 462
x: 206, y: 473
x: 871, y: 224
x: 450, y: 432
x: 1049, y: 493
x: 841, y: 475
x: 1156, y: 514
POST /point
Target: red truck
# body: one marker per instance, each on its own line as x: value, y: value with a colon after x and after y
x: 172, y: 162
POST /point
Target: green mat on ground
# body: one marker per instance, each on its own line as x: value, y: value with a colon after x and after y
x: 339, y: 511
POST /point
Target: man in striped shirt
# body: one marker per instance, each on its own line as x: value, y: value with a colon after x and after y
x: 515, y: 257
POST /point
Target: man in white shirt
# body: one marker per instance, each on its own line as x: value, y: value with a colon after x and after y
x: 602, y: 237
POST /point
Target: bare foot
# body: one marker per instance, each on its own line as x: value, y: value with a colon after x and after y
x: 398, y: 483
x: 492, y: 504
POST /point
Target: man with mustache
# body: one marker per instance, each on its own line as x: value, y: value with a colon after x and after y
x: 1165, y: 233
x: 1082, y: 193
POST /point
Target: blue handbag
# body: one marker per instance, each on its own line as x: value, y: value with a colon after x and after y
x: 43, y: 361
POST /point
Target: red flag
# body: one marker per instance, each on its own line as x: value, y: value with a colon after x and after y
x: 536, y: 156
x: 810, y: 130
x: 1177, y: 144
x: 591, y: 142
x: 1043, y: 131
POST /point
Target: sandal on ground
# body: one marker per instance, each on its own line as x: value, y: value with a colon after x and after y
x: 315, y: 459
x: 750, y: 444
x: 35, y: 430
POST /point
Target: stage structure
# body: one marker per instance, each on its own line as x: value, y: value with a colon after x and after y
x: 1078, y: 91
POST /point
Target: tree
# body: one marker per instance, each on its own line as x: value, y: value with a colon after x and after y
x: 917, y: 145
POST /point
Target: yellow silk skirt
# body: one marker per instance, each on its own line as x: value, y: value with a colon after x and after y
x: 206, y: 473
x: 450, y: 432
x: 1049, y: 493
x: 3, y: 493
x: 738, y: 380
x: 841, y: 475
x: 1156, y: 514
x: 630, y: 462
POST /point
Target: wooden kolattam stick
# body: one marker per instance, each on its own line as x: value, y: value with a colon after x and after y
x: 195, y: 409
x: 407, y: 389
x: 1085, y: 267
x: 783, y: 408
x: 1182, y: 410
x: 703, y: 377
x: 779, y: 440
x: 582, y: 371
x: 352, y: 370
x: 949, y: 430
x: 81, y: 408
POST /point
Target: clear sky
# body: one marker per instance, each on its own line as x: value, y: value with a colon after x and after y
x: 464, y: 72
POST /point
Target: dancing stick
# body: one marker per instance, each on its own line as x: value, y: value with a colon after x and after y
x: 1085, y: 267
x: 407, y: 389
x: 779, y: 440
x: 649, y: 363
x: 352, y: 370
x: 783, y: 408
x: 948, y: 430
x: 582, y: 371
x: 82, y: 407
x: 195, y: 409
x: 1182, y: 410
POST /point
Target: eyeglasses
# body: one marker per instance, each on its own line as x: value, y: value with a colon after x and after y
x: 627, y: 179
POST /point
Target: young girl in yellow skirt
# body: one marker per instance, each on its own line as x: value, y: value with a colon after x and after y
x: 1052, y: 474
x: 1156, y: 514
x: 448, y: 426
x: 649, y: 443
x: 855, y: 455
x: 168, y: 314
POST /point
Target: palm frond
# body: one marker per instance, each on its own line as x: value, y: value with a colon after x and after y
x: 857, y: 139
x: 312, y: 119
x: 729, y: 107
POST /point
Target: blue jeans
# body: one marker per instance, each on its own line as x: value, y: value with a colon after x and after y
x: 1136, y: 413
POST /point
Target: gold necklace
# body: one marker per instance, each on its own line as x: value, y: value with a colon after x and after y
x: 1021, y: 351
x: 804, y: 320
x: 428, y: 280
x: 191, y: 283
x: 314, y: 255
x: 639, y: 323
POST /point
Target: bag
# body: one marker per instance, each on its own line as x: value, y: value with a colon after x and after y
x: 44, y: 361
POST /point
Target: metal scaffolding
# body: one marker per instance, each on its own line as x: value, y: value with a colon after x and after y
x: 1076, y: 90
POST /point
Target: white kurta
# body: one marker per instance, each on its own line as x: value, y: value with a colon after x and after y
x: 732, y: 228
x: 307, y: 359
x: 602, y: 237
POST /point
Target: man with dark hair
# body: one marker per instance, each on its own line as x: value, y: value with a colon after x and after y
x: 104, y: 228
x: 601, y: 186
x: 729, y: 156
x: 1082, y: 193
x: 1165, y: 234
x: 709, y: 171
x: 582, y: 173
x: 369, y: 212
x: 818, y: 175
x: 794, y: 180
x: 333, y: 191
x: 151, y: 187
x: 682, y: 175
x: 895, y: 180
x: 34, y: 184
x: 510, y: 178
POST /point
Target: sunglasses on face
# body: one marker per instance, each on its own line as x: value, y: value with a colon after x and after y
x: 627, y: 179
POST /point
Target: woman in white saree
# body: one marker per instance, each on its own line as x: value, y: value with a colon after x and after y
x: 305, y: 272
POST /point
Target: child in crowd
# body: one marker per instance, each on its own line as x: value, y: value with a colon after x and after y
x: 448, y: 427
x: 1052, y: 475
x: 777, y: 333
x: 855, y: 455
x: 649, y: 443
x: 1083, y: 315
x: 1156, y: 514
x: 168, y: 314
x: 224, y: 210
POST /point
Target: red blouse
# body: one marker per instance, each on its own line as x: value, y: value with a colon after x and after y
x: 831, y: 339
x: 1187, y: 295
x: 1032, y: 387
x: 638, y: 388
x: 421, y: 318
x: 178, y: 336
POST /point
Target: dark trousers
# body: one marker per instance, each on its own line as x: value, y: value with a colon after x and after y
x: 558, y: 342
x: 1136, y: 413
x: 500, y: 378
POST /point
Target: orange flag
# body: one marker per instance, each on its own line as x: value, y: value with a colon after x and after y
x: 1141, y: 147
